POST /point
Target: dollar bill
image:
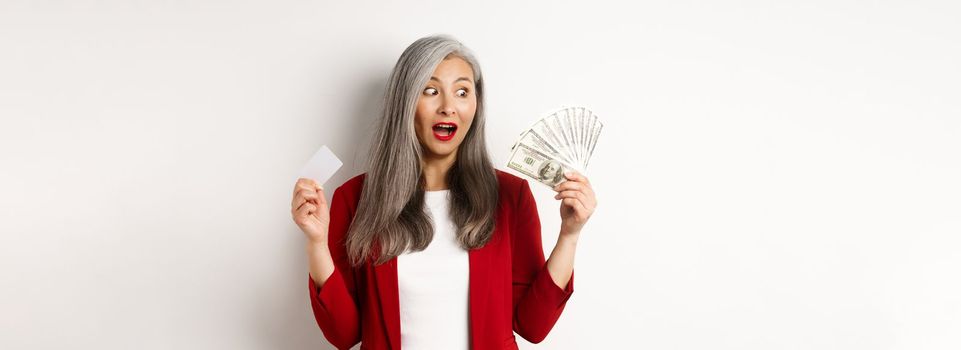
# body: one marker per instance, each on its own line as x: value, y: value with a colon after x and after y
x: 563, y: 140
x: 553, y: 121
x: 596, y: 127
x: 538, y: 166
x: 533, y: 140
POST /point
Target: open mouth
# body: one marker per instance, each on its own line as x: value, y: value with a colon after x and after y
x: 445, y: 131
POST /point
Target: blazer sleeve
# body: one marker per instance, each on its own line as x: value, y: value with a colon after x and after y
x: 538, y: 301
x: 335, y: 307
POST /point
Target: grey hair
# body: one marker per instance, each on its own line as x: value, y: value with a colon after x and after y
x: 390, y: 217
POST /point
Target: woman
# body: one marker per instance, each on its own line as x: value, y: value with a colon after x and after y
x: 433, y: 247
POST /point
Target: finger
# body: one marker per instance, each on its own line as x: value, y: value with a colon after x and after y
x: 586, y: 200
x: 303, y: 211
x: 304, y: 201
x: 305, y: 204
x: 316, y: 200
x: 579, y: 184
x: 306, y: 183
x: 306, y: 192
x: 304, y: 195
x: 322, y: 200
x: 569, y: 186
x: 576, y: 176
x: 589, y: 199
x: 578, y: 207
x: 306, y: 187
x: 301, y: 183
x: 576, y: 186
x: 588, y: 205
x: 571, y: 194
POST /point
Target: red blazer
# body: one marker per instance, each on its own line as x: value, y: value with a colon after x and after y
x: 510, y: 287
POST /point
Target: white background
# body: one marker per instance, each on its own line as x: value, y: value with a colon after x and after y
x: 771, y: 175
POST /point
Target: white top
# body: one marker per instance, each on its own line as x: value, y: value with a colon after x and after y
x: 433, y: 286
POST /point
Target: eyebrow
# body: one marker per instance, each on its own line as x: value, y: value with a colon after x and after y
x: 456, y: 80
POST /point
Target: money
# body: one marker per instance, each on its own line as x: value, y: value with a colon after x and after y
x: 561, y: 141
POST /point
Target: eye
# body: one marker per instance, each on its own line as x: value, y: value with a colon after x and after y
x: 430, y: 91
x: 462, y: 92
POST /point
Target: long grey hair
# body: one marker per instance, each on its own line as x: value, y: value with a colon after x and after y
x: 390, y: 216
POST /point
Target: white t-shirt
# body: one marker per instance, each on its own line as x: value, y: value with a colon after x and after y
x: 433, y: 286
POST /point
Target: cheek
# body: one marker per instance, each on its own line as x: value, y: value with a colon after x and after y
x: 468, y: 112
x: 422, y: 114
x: 471, y: 106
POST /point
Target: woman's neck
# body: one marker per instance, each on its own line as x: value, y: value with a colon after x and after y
x: 435, y: 171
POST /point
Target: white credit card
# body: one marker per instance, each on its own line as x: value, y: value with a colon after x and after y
x: 321, y: 166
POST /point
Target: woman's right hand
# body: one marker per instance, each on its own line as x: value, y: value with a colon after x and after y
x: 310, y: 211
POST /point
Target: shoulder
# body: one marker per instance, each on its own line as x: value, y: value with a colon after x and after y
x: 350, y: 189
x: 511, y: 186
x: 508, y: 181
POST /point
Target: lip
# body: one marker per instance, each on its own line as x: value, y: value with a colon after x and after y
x: 441, y: 136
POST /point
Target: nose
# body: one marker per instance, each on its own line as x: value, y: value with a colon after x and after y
x: 447, y: 107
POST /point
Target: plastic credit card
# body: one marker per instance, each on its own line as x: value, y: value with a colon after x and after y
x: 321, y: 166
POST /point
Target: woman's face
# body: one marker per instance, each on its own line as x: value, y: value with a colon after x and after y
x: 446, y: 108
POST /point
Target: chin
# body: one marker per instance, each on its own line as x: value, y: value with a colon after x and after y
x: 442, y: 150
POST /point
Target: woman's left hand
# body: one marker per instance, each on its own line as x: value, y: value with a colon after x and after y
x: 577, y: 202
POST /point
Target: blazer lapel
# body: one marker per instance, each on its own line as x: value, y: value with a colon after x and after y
x: 480, y: 268
x: 386, y: 278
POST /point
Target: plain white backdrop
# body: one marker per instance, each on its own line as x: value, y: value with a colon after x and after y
x: 772, y: 175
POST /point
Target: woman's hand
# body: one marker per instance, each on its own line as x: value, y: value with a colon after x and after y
x: 309, y: 209
x: 577, y: 202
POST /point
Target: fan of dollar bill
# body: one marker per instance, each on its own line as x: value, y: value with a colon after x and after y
x: 561, y: 141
